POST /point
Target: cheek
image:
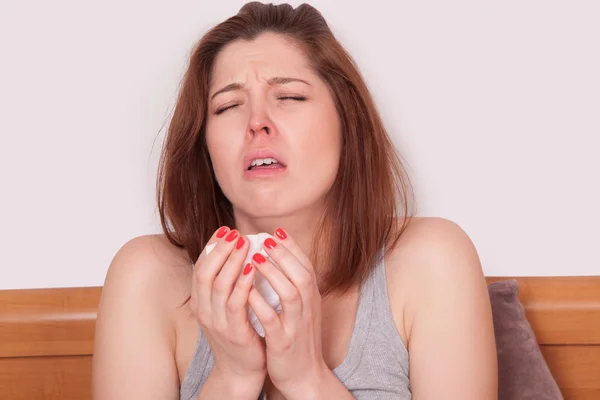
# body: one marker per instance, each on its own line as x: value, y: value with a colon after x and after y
x: 325, y: 139
x: 221, y: 151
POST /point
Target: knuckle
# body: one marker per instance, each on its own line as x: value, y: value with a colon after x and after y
x: 241, y: 340
x: 304, y: 281
x: 221, y: 285
x: 202, y: 277
x: 233, y: 307
x: 291, y: 296
x: 220, y: 328
x: 286, y: 344
x: 283, y: 345
x: 270, y: 318
x: 243, y: 284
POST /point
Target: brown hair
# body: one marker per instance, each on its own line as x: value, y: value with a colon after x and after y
x: 361, y: 208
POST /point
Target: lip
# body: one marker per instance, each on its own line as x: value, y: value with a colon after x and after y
x: 266, y: 173
x: 263, y: 153
x: 263, y: 173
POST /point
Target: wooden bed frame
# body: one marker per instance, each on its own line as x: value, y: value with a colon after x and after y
x: 47, y: 335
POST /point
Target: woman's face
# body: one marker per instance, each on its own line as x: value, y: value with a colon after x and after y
x: 266, y: 106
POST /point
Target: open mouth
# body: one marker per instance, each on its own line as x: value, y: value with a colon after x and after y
x: 264, y: 163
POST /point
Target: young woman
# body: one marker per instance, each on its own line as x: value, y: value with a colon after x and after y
x: 275, y: 131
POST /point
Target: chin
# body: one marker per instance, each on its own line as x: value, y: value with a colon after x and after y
x: 270, y: 202
x: 270, y: 209
x: 267, y: 210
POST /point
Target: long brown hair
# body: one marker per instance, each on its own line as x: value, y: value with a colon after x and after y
x: 371, y: 185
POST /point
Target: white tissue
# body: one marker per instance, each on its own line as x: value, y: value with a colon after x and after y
x: 260, y: 283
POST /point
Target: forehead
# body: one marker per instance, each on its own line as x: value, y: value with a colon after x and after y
x: 266, y: 56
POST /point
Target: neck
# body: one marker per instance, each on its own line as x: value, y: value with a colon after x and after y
x: 299, y: 226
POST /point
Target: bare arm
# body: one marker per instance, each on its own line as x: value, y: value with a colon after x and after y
x: 221, y: 386
x: 451, y: 338
x: 133, y: 356
x: 134, y: 344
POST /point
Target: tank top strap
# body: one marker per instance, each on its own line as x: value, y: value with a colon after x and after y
x: 383, y: 313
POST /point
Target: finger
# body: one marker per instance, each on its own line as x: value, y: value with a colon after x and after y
x: 210, y: 266
x: 301, y: 277
x: 237, y: 312
x: 289, y: 296
x: 282, y: 237
x: 225, y: 281
x: 267, y: 317
x: 218, y: 234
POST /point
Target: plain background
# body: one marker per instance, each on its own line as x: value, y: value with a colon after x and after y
x: 494, y: 105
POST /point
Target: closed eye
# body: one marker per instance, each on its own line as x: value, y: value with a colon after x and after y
x: 297, y: 98
x: 221, y: 110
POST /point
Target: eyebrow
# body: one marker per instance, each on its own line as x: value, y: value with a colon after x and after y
x: 276, y: 80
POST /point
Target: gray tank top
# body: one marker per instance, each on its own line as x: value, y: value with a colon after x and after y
x: 376, y: 364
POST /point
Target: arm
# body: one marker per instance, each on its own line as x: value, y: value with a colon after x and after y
x: 220, y: 386
x: 328, y: 387
x: 293, y: 338
x: 451, y: 338
x: 133, y: 355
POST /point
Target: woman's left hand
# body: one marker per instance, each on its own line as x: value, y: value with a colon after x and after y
x: 293, y: 338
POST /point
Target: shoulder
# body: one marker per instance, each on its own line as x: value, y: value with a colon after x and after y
x: 149, y: 268
x: 146, y: 284
x: 433, y: 261
x: 434, y: 246
x: 438, y: 289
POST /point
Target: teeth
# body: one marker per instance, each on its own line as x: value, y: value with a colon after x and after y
x: 261, y: 161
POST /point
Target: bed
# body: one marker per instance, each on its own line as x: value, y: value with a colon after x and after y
x: 47, y: 336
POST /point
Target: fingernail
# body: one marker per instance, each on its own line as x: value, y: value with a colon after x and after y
x: 222, y: 232
x: 232, y: 235
x: 280, y: 233
x: 270, y: 243
x: 240, y: 243
x: 259, y: 258
x: 247, y: 269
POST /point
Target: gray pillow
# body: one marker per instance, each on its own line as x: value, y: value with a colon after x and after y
x: 522, y: 370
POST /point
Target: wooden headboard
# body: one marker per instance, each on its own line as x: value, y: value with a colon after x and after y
x: 47, y: 335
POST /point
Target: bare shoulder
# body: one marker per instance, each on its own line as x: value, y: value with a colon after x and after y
x: 441, y: 306
x: 433, y: 258
x: 152, y: 267
x: 147, y: 282
x: 434, y: 239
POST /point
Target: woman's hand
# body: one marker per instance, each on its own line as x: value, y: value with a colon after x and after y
x: 293, y: 338
x: 219, y: 300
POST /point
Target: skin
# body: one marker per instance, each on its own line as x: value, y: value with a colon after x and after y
x: 264, y: 106
x: 145, y: 338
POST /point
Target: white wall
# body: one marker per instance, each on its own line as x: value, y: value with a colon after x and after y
x: 495, y: 106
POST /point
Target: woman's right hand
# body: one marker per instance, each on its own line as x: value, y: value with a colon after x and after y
x: 219, y: 300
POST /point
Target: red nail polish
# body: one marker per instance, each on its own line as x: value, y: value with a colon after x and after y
x: 247, y: 269
x: 270, y: 243
x: 280, y: 233
x: 259, y: 258
x: 232, y: 235
x: 222, y: 232
x: 240, y: 243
